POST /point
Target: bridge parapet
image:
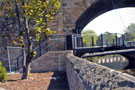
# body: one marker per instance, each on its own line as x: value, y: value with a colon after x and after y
x: 84, y: 75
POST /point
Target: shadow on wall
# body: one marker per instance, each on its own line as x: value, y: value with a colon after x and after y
x: 58, y: 81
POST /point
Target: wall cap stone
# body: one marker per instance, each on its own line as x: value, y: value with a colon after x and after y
x: 100, y: 77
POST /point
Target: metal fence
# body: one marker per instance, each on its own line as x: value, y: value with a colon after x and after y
x: 103, y: 40
x: 13, y: 53
x: 55, y: 43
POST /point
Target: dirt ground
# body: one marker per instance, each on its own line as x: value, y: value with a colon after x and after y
x: 37, y: 81
x: 42, y: 81
x: 129, y: 71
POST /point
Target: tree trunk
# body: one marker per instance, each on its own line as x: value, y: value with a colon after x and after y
x: 20, y: 34
x: 29, y: 43
x: 24, y: 62
x: 26, y: 70
x: 28, y: 61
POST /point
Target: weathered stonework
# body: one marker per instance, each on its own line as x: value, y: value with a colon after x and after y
x: 84, y: 75
x: 69, y: 12
x: 51, y: 61
x: 8, y: 31
x: 76, y: 14
x: 73, y: 14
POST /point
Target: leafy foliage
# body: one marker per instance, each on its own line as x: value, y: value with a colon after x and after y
x: 109, y: 37
x: 39, y: 12
x: 130, y: 32
x: 87, y: 37
x: 3, y: 73
x: 34, y: 13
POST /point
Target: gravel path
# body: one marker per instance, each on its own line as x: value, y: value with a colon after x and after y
x: 38, y: 81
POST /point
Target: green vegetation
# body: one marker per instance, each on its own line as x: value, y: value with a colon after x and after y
x: 3, y: 73
x: 109, y: 37
x: 93, y: 59
x: 37, y: 12
x: 130, y: 32
x: 87, y: 37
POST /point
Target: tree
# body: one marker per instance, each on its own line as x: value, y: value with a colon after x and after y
x: 108, y: 38
x: 130, y: 32
x: 37, y: 12
x: 3, y: 73
x: 87, y: 37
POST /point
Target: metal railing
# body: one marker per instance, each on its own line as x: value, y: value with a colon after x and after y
x: 103, y: 40
x: 54, y: 43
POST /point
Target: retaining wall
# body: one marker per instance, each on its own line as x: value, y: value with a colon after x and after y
x: 51, y: 61
x: 84, y: 75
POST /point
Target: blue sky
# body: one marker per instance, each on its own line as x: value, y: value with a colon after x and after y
x: 115, y: 21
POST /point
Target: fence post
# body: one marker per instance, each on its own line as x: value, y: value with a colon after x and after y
x: 92, y: 40
x: 81, y: 41
x: 119, y: 41
x: 113, y: 42
x: 123, y: 40
x: 116, y: 38
x: 40, y: 53
x: 102, y: 40
x: 17, y: 63
x: 106, y: 43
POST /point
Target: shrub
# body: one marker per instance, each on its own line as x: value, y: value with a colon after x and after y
x: 3, y: 73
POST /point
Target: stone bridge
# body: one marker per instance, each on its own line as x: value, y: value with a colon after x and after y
x: 73, y: 16
x: 76, y: 14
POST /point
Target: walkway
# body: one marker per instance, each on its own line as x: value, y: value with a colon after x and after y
x: 38, y: 81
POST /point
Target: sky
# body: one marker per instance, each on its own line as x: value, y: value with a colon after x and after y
x: 114, y: 21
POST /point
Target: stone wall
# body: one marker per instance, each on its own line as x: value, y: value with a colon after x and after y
x: 51, y: 61
x: 84, y: 75
x: 70, y: 16
x: 8, y: 31
x: 74, y: 80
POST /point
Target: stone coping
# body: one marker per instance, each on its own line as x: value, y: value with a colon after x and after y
x: 98, y: 77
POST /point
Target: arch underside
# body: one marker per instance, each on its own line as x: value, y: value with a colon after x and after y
x: 100, y: 7
x: 131, y: 60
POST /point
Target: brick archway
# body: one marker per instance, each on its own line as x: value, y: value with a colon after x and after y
x: 98, y: 8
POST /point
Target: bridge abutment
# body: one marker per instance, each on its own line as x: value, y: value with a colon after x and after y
x: 131, y: 60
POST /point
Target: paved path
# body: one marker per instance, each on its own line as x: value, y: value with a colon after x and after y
x: 58, y: 82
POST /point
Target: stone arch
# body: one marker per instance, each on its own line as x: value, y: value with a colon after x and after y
x: 99, y: 7
x: 131, y: 60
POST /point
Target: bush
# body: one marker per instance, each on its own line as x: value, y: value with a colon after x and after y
x: 3, y: 73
